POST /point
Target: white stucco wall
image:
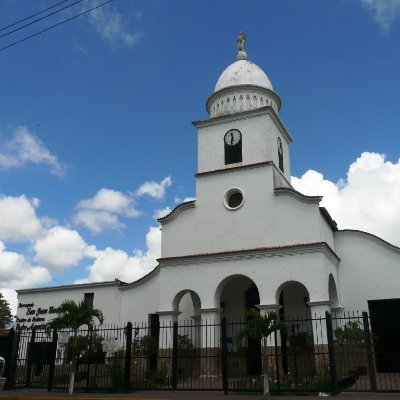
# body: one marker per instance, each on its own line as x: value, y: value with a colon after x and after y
x: 107, y: 298
x: 140, y: 299
x: 263, y: 220
x: 268, y: 271
x: 369, y: 269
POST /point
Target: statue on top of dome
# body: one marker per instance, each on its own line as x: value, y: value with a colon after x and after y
x: 241, y: 43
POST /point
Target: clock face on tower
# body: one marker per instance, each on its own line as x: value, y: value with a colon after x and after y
x: 232, y: 137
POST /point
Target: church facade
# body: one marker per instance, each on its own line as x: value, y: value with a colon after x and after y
x: 249, y: 239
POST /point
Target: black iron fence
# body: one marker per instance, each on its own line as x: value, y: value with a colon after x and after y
x: 328, y: 354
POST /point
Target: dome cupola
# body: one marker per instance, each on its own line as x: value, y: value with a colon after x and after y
x: 242, y: 86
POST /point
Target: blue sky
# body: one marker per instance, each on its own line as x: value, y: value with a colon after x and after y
x: 95, y: 121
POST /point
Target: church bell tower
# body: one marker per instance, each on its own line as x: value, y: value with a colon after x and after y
x: 244, y: 127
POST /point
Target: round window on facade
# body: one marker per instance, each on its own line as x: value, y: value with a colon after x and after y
x: 233, y: 199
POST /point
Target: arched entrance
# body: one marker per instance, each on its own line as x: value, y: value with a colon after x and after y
x: 293, y: 298
x: 236, y: 295
x: 187, y: 303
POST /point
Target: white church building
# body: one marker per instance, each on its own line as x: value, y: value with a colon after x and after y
x: 249, y: 239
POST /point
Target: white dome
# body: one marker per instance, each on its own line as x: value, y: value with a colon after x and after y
x: 243, y: 72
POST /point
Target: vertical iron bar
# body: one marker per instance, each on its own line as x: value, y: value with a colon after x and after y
x: 224, y: 353
x: 128, y: 356
x: 29, y: 361
x: 370, y: 358
x: 331, y: 351
x: 278, y: 383
x: 53, y: 361
x: 89, y: 357
x: 175, y: 356
x: 13, y: 355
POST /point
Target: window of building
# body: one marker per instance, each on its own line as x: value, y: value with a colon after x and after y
x: 280, y: 154
x: 233, y: 146
x: 233, y: 199
x: 88, y: 299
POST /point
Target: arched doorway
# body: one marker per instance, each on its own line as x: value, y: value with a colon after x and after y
x: 187, y: 303
x: 236, y: 295
x: 293, y: 298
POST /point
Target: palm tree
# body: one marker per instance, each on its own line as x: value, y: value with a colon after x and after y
x: 72, y: 316
x: 261, y: 327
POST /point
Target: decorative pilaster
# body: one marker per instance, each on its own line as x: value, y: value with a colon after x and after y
x: 266, y: 309
x: 318, y: 309
x: 210, y: 343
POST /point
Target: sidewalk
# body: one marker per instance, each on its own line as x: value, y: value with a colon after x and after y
x: 38, y: 394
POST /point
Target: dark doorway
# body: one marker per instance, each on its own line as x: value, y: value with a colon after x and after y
x: 385, y: 326
x: 254, y: 365
x: 283, y: 336
x: 154, y: 321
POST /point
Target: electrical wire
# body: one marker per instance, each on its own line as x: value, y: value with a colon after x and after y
x: 54, y: 26
x: 41, y: 18
x: 33, y: 15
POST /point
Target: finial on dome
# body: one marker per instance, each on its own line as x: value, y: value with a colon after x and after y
x: 241, y: 43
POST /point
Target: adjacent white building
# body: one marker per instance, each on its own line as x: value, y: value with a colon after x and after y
x: 249, y: 239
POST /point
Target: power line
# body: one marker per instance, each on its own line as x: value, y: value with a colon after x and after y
x: 55, y: 25
x: 33, y: 15
x: 39, y: 19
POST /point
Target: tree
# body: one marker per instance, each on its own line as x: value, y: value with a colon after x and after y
x: 261, y: 327
x: 5, y: 312
x: 72, y: 316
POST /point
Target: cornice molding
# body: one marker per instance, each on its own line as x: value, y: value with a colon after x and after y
x: 141, y: 280
x: 370, y: 236
x: 261, y: 252
x: 235, y: 168
x: 176, y: 211
x: 116, y: 283
x: 331, y: 222
x: 299, y: 196
x: 266, y: 110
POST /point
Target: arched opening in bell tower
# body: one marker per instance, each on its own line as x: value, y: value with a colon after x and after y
x: 233, y: 146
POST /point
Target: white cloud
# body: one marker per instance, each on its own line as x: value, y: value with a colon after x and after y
x: 110, y: 263
x: 368, y: 200
x: 162, y: 212
x: 179, y: 200
x: 60, y: 248
x: 18, y: 220
x: 154, y: 189
x: 112, y: 28
x: 16, y: 272
x: 101, y: 212
x: 98, y: 221
x: 112, y: 201
x: 25, y: 148
x: 385, y: 11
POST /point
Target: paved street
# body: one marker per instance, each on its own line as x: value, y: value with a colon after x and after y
x: 182, y: 395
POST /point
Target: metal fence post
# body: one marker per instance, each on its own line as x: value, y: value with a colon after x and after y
x: 29, y: 361
x: 224, y: 354
x: 89, y: 356
x: 175, y: 356
x: 331, y: 351
x: 13, y: 356
x: 370, y: 356
x: 128, y: 357
x: 278, y: 377
x: 53, y: 361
